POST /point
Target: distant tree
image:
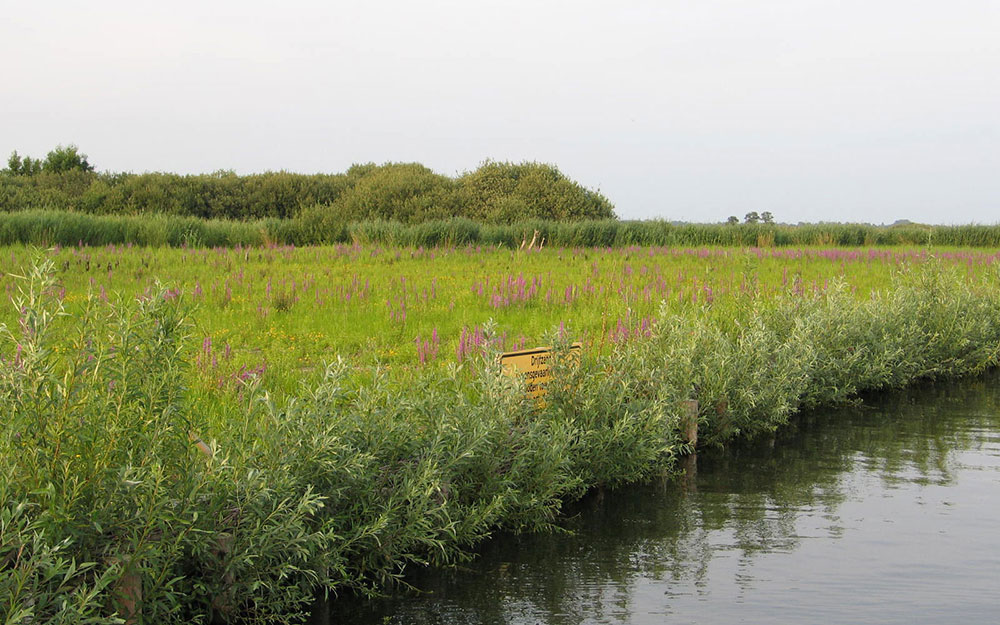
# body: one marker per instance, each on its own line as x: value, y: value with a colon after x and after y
x: 14, y: 163
x: 59, y: 160
x: 27, y: 166
x: 64, y: 159
x: 733, y: 220
x: 752, y: 217
x: 767, y: 217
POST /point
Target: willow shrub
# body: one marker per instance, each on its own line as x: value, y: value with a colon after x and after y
x: 349, y: 482
x: 340, y: 487
x: 763, y: 360
x: 403, y: 192
x: 100, y: 480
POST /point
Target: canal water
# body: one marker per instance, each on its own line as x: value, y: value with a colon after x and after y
x: 888, y: 512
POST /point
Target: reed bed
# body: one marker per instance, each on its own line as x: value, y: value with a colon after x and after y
x: 317, y: 227
x: 142, y: 445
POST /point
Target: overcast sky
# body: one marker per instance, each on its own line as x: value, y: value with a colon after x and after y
x: 815, y: 110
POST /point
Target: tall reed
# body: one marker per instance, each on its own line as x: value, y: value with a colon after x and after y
x: 49, y: 227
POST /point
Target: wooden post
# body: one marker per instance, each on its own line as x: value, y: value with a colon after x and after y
x: 319, y: 613
x: 127, y: 591
x: 689, y: 421
x: 223, y: 543
x: 223, y: 602
x: 690, y: 465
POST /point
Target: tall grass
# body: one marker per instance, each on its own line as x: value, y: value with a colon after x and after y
x: 47, y: 227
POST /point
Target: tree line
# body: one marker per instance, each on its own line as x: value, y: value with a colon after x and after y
x: 495, y: 192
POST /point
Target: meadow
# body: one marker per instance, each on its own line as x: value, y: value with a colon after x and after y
x: 240, y: 428
x: 283, y: 312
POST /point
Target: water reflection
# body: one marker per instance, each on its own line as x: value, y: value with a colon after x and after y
x: 882, y: 512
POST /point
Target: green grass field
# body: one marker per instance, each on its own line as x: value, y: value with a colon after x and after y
x: 287, y: 311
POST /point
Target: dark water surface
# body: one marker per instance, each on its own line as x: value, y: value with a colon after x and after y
x: 885, y: 513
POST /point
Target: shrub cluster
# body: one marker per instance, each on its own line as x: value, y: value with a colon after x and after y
x: 346, y: 484
x: 403, y: 192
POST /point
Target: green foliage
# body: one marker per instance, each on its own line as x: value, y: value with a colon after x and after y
x: 406, y: 192
x: 323, y: 222
x: 749, y: 378
x: 27, y: 166
x: 66, y: 158
x: 349, y: 480
x: 761, y: 363
x: 509, y: 192
x: 58, y: 161
x: 340, y: 487
x: 402, y: 192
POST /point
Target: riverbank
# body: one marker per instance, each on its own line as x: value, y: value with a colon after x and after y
x: 345, y: 484
x: 893, y: 497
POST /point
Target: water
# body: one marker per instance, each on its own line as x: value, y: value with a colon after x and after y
x: 886, y: 513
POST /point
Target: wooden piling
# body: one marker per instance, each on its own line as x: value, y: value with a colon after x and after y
x: 319, y: 613
x: 127, y: 592
x: 689, y: 421
x: 690, y: 465
x: 222, y: 602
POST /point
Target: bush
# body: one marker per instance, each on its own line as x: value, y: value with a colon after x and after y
x: 508, y: 192
x: 406, y: 192
x: 403, y: 192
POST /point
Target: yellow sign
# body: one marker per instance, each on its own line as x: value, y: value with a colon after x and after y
x: 533, y: 365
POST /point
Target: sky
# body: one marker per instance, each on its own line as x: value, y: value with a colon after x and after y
x: 815, y: 110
